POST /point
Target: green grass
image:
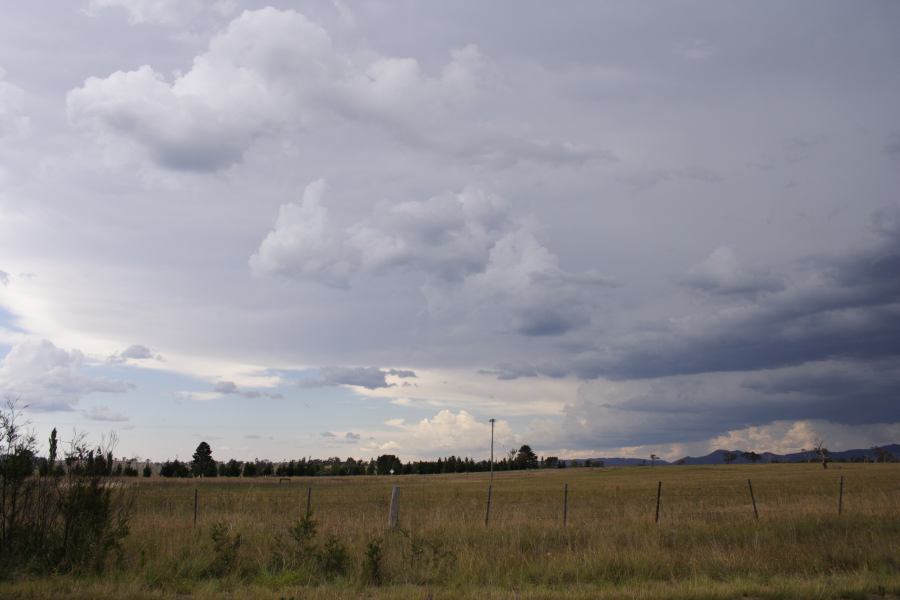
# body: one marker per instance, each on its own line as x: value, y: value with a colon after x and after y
x: 706, y: 545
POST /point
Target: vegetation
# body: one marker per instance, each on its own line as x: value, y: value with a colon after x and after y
x: 63, y: 522
x: 254, y: 539
x: 55, y: 520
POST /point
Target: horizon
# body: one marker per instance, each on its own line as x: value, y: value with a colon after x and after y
x: 355, y: 229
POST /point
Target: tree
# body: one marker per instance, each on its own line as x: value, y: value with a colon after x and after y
x: 823, y: 453
x: 729, y: 457
x: 751, y: 456
x: 526, y: 458
x: 387, y: 463
x: 147, y: 470
x: 653, y: 459
x: 203, y: 464
x: 882, y: 455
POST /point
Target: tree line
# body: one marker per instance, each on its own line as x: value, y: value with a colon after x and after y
x: 204, y: 465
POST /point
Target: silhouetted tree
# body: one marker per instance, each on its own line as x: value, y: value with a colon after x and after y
x: 203, y: 464
x: 526, y: 458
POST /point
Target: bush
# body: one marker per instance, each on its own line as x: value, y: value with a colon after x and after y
x: 53, y: 524
x: 225, y: 548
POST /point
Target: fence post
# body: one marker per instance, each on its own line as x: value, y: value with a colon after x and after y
x: 841, y: 496
x: 487, y: 514
x: 394, y: 515
x: 196, y: 494
x: 753, y: 499
x: 658, y: 494
x: 565, y: 504
x: 308, y: 501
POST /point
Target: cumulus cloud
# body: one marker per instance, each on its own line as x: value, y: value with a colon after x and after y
x: 722, y: 273
x: 448, y: 431
x: 49, y: 378
x: 473, y: 255
x: 366, y: 377
x: 269, y: 72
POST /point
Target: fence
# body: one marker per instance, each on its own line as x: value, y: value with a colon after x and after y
x: 569, y: 505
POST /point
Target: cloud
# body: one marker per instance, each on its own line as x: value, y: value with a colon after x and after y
x: 892, y: 147
x: 4, y: 278
x: 692, y: 408
x: 49, y: 378
x: 230, y: 387
x: 366, y: 377
x: 448, y: 432
x: 722, y: 273
x: 103, y: 413
x: 152, y: 11
x: 348, y: 438
x: 831, y: 307
x: 135, y: 352
x: 272, y: 72
x: 13, y: 123
x: 473, y: 255
x: 698, y: 50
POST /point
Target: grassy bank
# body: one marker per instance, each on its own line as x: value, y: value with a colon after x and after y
x: 707, y: 543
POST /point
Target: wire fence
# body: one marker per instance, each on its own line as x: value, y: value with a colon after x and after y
x: 567, y: 504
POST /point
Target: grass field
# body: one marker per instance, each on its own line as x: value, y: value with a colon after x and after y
x: 707, y: 543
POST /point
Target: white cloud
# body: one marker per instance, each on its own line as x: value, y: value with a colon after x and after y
x: 447, y: 432
x: 472, y: 255
x: 49, y: 378
x: 271, y: 72
x: 267, y: 72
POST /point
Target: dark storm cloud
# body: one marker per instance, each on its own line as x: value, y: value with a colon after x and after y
x: 368, y: 377
x: 230, y: 387
x: 698, y: 407
x: 845, y: 306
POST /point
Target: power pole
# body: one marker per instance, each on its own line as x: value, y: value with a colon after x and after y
x: 492, y: 450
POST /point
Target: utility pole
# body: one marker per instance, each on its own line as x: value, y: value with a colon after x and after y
x: 492, y: 450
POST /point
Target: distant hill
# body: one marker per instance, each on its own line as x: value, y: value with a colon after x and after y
x: 717, y: 457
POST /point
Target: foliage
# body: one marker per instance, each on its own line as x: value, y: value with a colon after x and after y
x: 174, y: 468
x: 225, y: 548
x: 203, y: 464
x: 49, y: 523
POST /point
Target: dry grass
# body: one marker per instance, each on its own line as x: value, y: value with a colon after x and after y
x: 707, y: 544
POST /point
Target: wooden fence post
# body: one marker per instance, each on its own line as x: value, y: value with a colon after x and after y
x: 394, y: 514
x: 753, y: 499
x: 841, y: 496
x: 308, y: 501
x: 565, y: 504
x: 487, y: 514
x: 658, y: 494
x: 196, y: 494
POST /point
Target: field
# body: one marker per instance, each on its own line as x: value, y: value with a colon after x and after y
x: 707, y: 543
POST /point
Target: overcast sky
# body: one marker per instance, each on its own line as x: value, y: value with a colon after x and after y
x: 351, y: 228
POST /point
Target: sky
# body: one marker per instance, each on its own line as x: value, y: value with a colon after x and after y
x: 354, y: 228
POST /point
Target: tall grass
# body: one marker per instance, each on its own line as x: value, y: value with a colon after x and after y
x: 707, y: 543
